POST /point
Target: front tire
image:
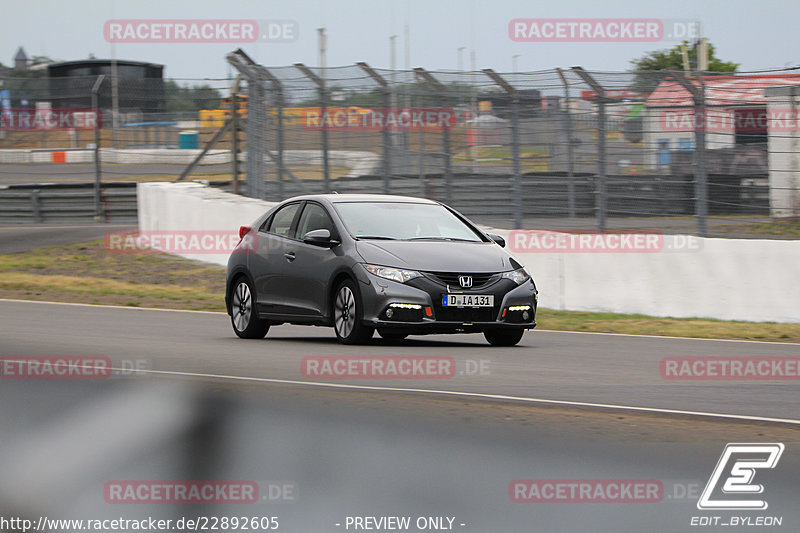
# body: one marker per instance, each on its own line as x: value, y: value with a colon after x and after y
x: 503, y: 337
x: 348, y: 315
x: 244, y: 319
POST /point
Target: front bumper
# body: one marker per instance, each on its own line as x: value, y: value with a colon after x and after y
x: 416, y: 306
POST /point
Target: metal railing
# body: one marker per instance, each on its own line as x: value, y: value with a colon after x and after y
x: 514, y: 145
x: 22, y: 204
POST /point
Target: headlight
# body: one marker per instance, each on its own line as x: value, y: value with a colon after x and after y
x: 517, y: 276
x: 395, y: 274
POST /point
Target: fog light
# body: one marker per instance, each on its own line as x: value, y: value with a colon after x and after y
x: 519, y: 308
x: 389, y: 313
x: 525, y: 315
x: 406, y: 306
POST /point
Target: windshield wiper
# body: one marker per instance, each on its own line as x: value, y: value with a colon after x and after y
x: 440, y: 239
x: 380, y: 237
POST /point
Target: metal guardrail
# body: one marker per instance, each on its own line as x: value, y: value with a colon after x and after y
x: 547, y: 195
x: 74, y: 202
x: 476, y: 195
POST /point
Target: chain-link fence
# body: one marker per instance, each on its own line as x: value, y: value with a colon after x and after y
x: 558, y: 149
x: 565, y: 148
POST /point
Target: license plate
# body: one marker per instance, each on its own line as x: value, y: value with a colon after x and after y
x: 468, y: 300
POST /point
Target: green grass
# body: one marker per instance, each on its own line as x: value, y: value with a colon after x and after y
x: 705, y: 328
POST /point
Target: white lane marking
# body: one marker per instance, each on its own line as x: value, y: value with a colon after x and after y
x: 480, y: 395
x: 772, y: 343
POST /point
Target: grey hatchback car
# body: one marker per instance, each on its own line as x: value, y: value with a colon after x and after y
x: 359, y: 263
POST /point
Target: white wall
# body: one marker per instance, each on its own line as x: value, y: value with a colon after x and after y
x: 359, y: 162
x: 733, y: 279
x: 186, y: 207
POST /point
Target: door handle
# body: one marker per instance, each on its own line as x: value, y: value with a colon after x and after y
x: 289, y: 256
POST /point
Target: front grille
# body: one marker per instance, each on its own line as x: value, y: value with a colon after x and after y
x: 451, y: 278
x: 466, y: 314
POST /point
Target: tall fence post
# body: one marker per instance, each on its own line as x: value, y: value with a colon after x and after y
x: 570, y: 147
x: 256, y: 116
x: 277, y: 88
x: 320, y: 82
x: 446, y: 148
x: 387, y: 139
x: 700, y: 177
x: 516, y: 179
x: 98, y: 206
x: 601, y: 194
x: 701, y: 182
x: 235, y: 148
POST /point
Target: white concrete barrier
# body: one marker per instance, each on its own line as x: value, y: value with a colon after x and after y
x: 186, y: 209
x: 680, y: 276
x: 360, y: 163
x: 674, y: 275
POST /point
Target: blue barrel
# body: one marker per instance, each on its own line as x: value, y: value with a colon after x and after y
x: 188, y: 139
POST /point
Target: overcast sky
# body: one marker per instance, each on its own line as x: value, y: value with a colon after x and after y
x: 759, y: 34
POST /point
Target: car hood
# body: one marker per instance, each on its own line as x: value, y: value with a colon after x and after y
x: 436, y: 256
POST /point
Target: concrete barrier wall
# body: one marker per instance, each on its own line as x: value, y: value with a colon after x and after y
x: 359, y: 163
x: 189, y: 207
x: 682, y: 276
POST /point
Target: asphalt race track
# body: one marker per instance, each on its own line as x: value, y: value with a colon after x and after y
x: 557, y: 407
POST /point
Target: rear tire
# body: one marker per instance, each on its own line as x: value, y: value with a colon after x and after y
x: 348, y: 315
x: 244, y: 320
x: 503, y: 337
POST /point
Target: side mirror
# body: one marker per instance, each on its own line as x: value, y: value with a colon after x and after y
x: 498, y: 239
x: 320, y: 237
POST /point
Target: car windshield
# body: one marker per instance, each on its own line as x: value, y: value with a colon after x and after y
x: 404, y: 221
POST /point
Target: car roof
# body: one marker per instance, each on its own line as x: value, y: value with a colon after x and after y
x: 340, y: 198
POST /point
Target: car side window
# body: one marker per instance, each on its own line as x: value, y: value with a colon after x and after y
x: 314, y: 217
x: 281, y: 222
